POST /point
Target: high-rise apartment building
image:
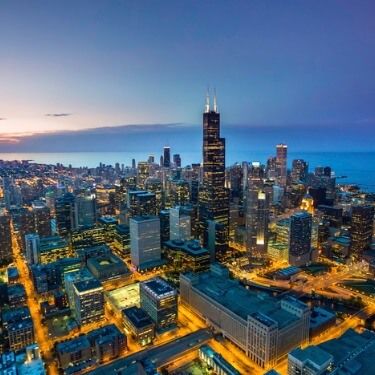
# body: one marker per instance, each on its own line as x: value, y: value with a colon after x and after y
x: 213, y: 195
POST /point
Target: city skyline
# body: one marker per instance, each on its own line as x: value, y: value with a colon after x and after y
x: 275, y: 66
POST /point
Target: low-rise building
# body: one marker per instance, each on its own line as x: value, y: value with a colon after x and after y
x: 264, y: 327
x: 139, y: 325
x: 106, y: 267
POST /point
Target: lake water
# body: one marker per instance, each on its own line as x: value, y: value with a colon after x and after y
x: 359, y: 167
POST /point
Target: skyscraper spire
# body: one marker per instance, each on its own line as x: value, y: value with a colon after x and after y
x: 215, y: 103
x: 207, y: 106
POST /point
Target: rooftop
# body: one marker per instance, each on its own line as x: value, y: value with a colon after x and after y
x: 241, y: 301
x: 158, y: 287
x: 312, y: 354
x: 87, y: 285
x: 140, y: 219
x: 124, y: 297
x: 138, y: 317
x: 74, y: 345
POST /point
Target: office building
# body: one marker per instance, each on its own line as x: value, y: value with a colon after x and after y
x: 107, y: 267
x: 32, y: 242
x: 155, y: 186
x: 143, y: 173
x: 300, y: 238
x: 213, y: 195
x: 166, y: 157
x: 85, y: 211
x: 65, y: 214
x: 177, y: 160
x: 159, y: 300
x: 351, y: 353
x: 309, y: 361
x: 139, y: 325
x: 281, y: 163
x: 264, y: 327
x: 179, y: 224
x: 141, y: 203
x: 187, y: 255
x: 88, y: 301
x: 54, y: 248
x: 300, y: 170
x: 164, y: 217
x: 18, y: 328
x: 145, y: 249
x: 73, y: 352
x: 85, y: 295
x: 42, y: 218
x: 362, y: 226
x: 257, y: 212
x: 5, y: 238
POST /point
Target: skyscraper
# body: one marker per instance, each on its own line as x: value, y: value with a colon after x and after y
x: 5, y: 238
x: 167, y: 157
x: 361, y: 228
x: 65, y: 214
x: 213, y: 196
x: 300, y: 238
x: 145, y: 241
x: 300, y: 170
x: 257, y: 212
x: 42, y: 218
x: 85, y: 211
x: 281, y: 166
x: 32, y: 241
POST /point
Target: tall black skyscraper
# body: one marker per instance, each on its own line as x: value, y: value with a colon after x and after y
x: 300, y: 238
x: 167, y: 157
x: 362, y: 225
x: 213, y: 196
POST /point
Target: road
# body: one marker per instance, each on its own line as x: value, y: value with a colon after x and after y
x: 40, y: 330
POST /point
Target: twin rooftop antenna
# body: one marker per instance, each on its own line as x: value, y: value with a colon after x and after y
x: 207, y: 105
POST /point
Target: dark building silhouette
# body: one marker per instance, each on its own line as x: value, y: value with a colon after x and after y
x: 362, y: 224
x: 65, y: 214
x: 300, y: 238
x: 213, y: 196
x: 167, y: 157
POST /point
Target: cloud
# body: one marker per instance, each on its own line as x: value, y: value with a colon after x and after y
x: 58, y: 114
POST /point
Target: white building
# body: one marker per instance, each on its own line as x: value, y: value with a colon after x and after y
x: 145, y: 241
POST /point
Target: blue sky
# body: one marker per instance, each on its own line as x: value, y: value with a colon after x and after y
x: 71, y: 65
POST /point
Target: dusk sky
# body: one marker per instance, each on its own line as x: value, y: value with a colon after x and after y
x: 71, y: 65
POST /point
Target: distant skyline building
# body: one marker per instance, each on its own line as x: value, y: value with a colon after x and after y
x: 281, y: 163
x: 300, y: 238
x: 300, y: 170
x: 177, y: 160
x: 167, y: 157
x: 213, y: 195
